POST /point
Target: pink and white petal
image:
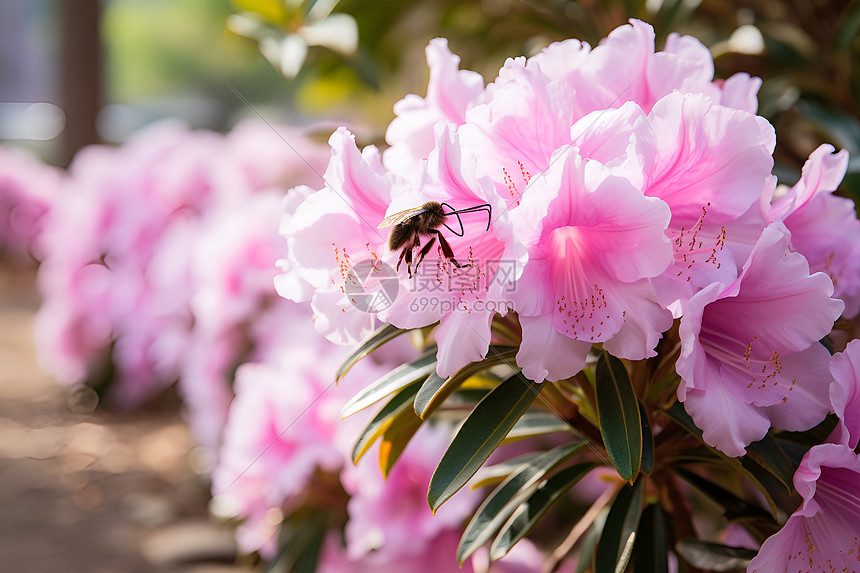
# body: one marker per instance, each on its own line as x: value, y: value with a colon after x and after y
x: 698, y: 154
x: 338, y: 320
x: 779, y: 301
x: 739, y: 91
x: 845, y: 391
x: 806, y: 402
x: 546, y: 354
x: 727, y: 422
x: 605, y: 134
x: 463, y: 337
x: 645, y: 320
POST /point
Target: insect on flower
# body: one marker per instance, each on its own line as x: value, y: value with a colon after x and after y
x: 411, y: 225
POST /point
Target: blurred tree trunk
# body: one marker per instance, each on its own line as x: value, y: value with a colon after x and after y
x: 80, y: 74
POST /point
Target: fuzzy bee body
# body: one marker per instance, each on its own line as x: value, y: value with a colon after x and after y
x: 412, y: 225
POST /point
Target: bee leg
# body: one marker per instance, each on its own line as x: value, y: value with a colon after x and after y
x: 447, y: 251
x: 424, y: 251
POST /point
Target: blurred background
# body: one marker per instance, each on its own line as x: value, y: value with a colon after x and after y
x: 87, y: 487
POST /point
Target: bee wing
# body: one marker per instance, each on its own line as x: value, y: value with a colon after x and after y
x: 400, y: 216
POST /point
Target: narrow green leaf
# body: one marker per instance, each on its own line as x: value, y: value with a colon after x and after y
x: 618, y: 414
x: 480, y: 435
x: 396, y: 438
x: 436, y: 389
x: 714, y: 556
x: 497, y: 473
x: 384, y: 420
x: 768, y: 454
x: 504, y: 499
x: 399, y: 378
x: 734, y: 506
x: 680, y: 415
x: 536, y: 424
x: 300, y: 542
x: 651, y: 553
x: 647, y: 442
x: 368, y: 345
x: 619, y: 531
x: 589, y: 542
x: 527, y: 514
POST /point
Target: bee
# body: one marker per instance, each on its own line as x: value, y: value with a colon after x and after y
x: 412, y: 225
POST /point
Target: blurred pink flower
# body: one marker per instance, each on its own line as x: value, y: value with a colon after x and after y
x: 28, y: 190
x: 824, y: 533
x: 750, y: 354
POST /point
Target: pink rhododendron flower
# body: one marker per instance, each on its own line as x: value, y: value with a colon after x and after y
x: 824, y: 533
x: 594, y: 241
x: 750, y: 357
x: 280, y: 429
x: 28, y: 189
x: 331, y: 230
x: 450, y: 92
x: 389, y: 517
x: 845, y: 393
x: 465, y: 299
x: 824, y: 227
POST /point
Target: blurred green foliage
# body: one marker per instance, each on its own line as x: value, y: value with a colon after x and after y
x: 808, y: 55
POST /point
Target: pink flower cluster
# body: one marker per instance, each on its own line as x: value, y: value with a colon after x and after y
x: 624, y: 187
x: 28, y: 189
x: 159, y: 260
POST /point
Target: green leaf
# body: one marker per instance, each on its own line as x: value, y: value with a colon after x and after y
x: 589, y: 542
x: 647, y: 442
x: 651, y: 553
x: 680, y: 415
x: 714, y: 556
x: 768, y: 454
x: 527, y: 514
x: 397, y: 379
x: 396, y: 437
x: 384, y: 420
x: 536, y: 424
x: 300, y: 542
x: 436, y: 389
x: 619, y: 533
x: 480, y: 435
x: 502, y: 502
x: 734, y: 506
x: 618, y: 414
x: 371, y: 343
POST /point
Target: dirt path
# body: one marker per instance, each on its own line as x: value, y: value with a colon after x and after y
x: 92, y: 492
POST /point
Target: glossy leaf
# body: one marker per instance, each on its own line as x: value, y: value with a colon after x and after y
x: 647, y: 442
x: 480, y: 435
x: 768, y: 454
x: 396, y: 438
x: 381, y: 336
x: 734, y: 506
x: 502, y: 502
x: 527, y: 514
x: 399, y: 378
x: 618, y: 415
x: 680, y: 415
x: 536, y: 424
x: 619, y: 532
x: 651, y: 552
x: 714, y: 556
x: 435, y: 389
x: 384, y: 420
